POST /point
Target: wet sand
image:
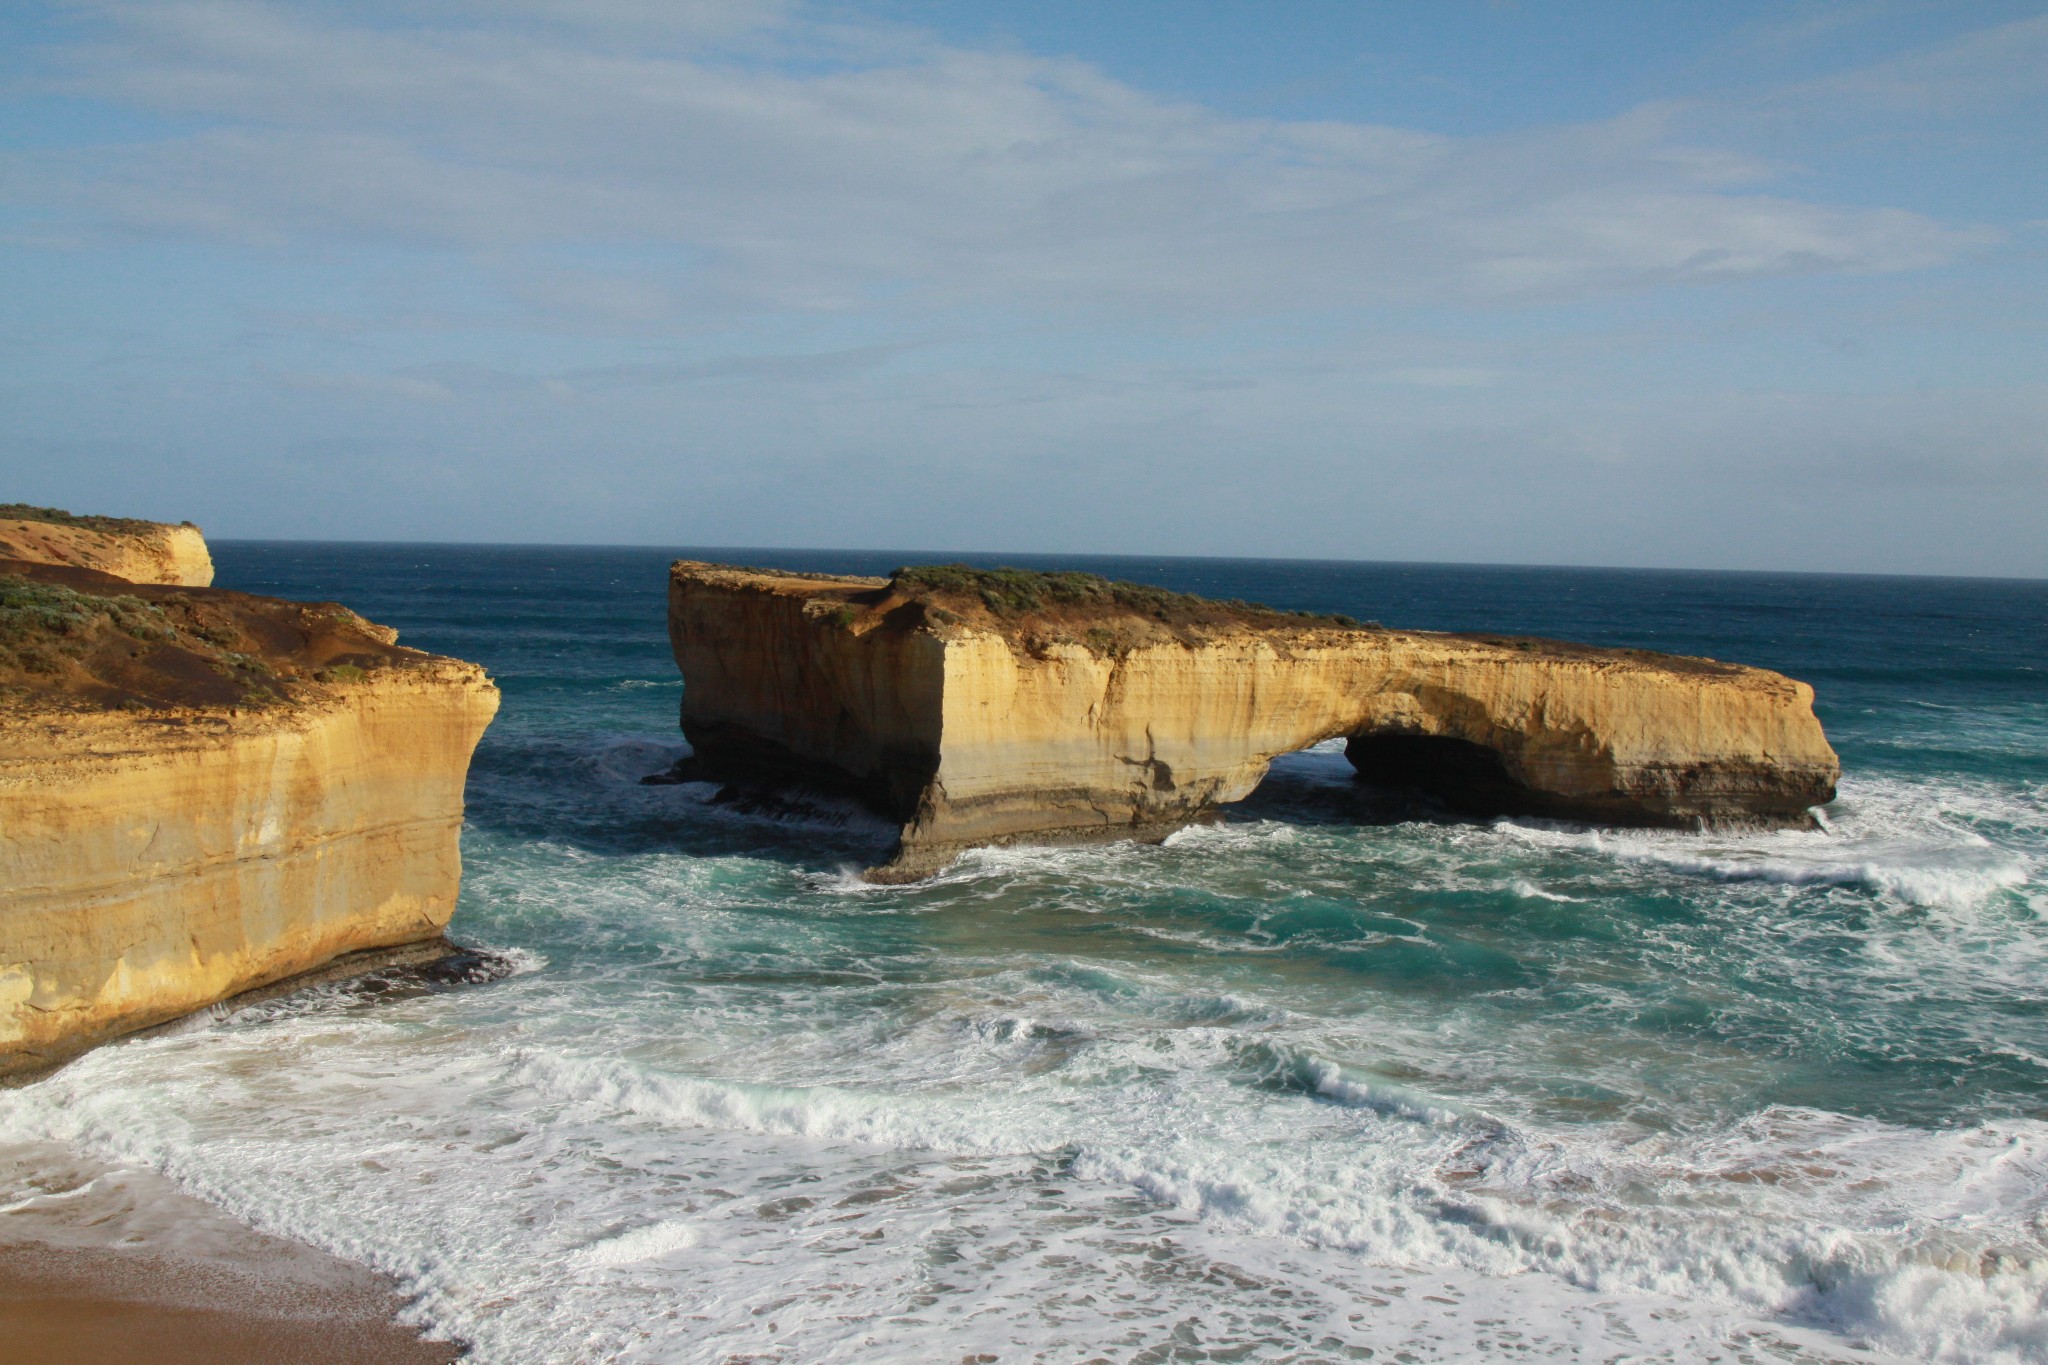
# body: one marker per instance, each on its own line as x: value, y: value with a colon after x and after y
x: 94, y: 1307
x: 99, y: 1264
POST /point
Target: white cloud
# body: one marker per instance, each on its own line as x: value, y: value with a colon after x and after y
x: 1987, y: 66
x: 409, y: 387
x: 887, y: 165
x: 718, y: 272
x: 1440, y: 376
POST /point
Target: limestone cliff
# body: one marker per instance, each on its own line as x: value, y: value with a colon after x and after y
x: 982, y: 708
x: 139, y: 551
x: 203, y: 792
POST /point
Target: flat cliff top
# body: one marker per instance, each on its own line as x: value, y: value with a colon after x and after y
x: 140, y: 551
x: 1035, y: 610
x: 74, y: 640
x: 1023, y: 602
x: 57, y: 516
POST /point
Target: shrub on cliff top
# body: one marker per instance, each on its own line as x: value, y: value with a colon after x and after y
x: 1010, y: 592
x: 29, y: 609
x: 57, y: 516
x: 77, y: 643
x: 39, y: 621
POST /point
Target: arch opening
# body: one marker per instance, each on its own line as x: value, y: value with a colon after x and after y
x: 1317, y: 786
x: 1462, y: 776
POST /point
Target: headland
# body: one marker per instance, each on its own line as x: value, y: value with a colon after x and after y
x: 206, y: 792
x: 139, y: 551
x: 977, y: 707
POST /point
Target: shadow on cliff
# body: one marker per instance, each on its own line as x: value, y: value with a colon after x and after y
x: 591, y: 797
x: 1320, y: 787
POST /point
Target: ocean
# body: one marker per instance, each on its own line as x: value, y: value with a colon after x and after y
x: 1337, y: 1079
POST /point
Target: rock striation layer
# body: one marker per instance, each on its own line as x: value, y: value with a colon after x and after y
x: 139, y: 551
x: 1002, y: 707
x: 205, y: 792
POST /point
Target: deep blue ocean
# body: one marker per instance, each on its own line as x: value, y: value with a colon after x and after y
x: 1337, y: 1079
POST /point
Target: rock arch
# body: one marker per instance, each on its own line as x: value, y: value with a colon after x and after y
x: 972, y: 727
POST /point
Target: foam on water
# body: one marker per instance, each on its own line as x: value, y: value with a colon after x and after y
x: 645, y: 1243
x: 512, y: 1161
x: 1331, y: 1080
x: 1912, y: 842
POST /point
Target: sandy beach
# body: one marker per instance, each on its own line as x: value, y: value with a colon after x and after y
x: 106, y: 1265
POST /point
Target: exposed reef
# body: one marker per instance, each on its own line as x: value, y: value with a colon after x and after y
x: 978, y: 707
x: 204, y: 792
x: 139, y: 551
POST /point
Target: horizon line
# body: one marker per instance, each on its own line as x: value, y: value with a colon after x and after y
x: 938, y: 556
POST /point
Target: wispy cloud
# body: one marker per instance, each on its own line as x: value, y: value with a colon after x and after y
x: 446, y: 380
x: 1440, y: 376
x: 726, y: 271
x: 886, y: 165
x: 1995, y: 65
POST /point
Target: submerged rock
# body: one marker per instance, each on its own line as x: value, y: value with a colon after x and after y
x: 204, y: 792
x: 977, y: 707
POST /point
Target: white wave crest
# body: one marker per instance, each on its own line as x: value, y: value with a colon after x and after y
x: 639, y: 1244
x: 1528, y: 890
x: 1918, y: 873
x: 824, y: 1112
x: 1913, y: 842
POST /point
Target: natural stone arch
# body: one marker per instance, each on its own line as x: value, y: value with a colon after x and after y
x: 972, y: 728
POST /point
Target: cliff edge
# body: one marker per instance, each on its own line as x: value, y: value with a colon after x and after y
x: 988, y: 707
x: 139, y: 551
x: 203, y: 792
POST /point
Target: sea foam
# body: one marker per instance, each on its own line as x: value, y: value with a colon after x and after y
x: 1322, y: 1082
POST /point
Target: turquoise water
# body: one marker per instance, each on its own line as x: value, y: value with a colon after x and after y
x: 1338, y: 1079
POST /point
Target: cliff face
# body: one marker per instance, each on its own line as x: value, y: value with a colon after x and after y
x: 776, y: 691
x: 977, y: 718
x: 204, y: 792
x: 139, y: 551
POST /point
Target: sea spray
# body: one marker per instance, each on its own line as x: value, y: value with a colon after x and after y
x: 1341, y: 1075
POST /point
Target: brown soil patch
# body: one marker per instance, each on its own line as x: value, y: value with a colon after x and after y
x: 74, y: 639
x: 1112, y: 618
x: 1041, y: 609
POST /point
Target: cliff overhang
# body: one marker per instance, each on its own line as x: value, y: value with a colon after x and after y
x: 976, y: 707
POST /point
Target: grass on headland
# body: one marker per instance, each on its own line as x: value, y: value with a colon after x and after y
x: 1010, y: 593
x: 93, y: 645
x: 41, y: 624
x: 57, y: 516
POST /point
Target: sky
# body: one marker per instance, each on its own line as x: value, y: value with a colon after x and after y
x: 1734, y: 286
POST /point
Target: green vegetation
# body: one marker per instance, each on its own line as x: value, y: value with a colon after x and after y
x: 1013, y: 592
x: 42, y: 623
x: 57, y: 516
x: 230, y: 662
x: 71, y: 642
x: 1019, y: 592
x: 843, y: 616
x: 1105, y: 640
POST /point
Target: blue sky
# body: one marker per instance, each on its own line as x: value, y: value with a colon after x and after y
x: 1724, y: 286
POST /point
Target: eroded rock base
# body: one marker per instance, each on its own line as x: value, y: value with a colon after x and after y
x: 1002, y: 707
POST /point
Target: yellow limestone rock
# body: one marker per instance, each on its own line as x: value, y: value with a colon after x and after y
x: 203, y: 792
x: 1006, y: 708
x: 139, y: 551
